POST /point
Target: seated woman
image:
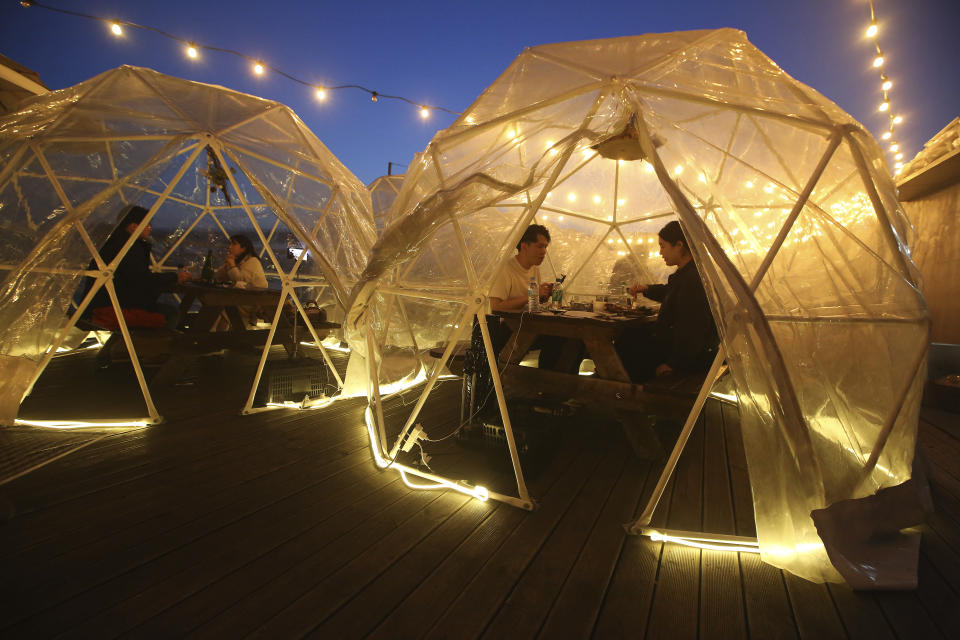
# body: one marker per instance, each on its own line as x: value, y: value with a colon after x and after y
x: 684, y: 338
x: 243, y: 268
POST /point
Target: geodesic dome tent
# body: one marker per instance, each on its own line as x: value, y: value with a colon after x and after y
x: 206, y: 161
x: 791, y: 217
x: 383, y: 192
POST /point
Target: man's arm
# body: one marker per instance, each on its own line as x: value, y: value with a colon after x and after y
x: 510, y: 304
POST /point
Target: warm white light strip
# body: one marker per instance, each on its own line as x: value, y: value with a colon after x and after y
x: 724, y: 396
x: 474, y: 491
x: 705, y: 542
x: 82, y: 424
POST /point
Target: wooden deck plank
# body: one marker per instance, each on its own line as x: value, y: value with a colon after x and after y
x: 425, y: 603
x: 939, y: 599
x: 676, y: 600
x: 861, y: 616
x: 769, y: 614
x: 742, y: 494
x: 113, y: 577
x: 813, y: 609
x: 187, y: 614
x: 225, y: 551
x: 578, y: 605
x: 721, y: 594
x: 308, y: 610
x: 131, y: 510
x: 479, y: 601
x: 906, y: 615
x: 272, y: 598
x: 532, y: 596
x: 361, y: 614
x: 216, y: 525
x: 626, y: 607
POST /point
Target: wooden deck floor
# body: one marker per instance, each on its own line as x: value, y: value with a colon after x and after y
x: 278, y: 525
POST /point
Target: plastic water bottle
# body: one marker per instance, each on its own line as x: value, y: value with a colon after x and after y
x: 533, y: 295
x: 558, y: 293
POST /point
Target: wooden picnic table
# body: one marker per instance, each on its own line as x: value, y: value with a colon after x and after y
x: 597, y: 331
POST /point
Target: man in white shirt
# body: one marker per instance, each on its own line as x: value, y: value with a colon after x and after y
x: 509, y: 291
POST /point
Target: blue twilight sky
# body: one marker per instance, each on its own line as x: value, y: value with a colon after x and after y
x: 446, y: 53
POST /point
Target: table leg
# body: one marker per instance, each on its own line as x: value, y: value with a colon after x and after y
x: 516, y: 347
x: 606, y: 359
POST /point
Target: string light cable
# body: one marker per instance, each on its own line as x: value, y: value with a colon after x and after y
x: 259, y: 67
x: 886, y: 107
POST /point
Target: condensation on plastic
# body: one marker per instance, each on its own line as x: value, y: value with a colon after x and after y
x: 827, y: 352
x: 70, y: 160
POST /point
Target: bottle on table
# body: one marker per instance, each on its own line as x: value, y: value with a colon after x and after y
x: 533, y: 295
x: 207, y: 274
x: 558, y: 293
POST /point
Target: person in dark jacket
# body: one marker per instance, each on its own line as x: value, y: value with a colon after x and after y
x: 684, y: 338
x: 136, y: 286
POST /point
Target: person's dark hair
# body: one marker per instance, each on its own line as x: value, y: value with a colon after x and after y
x: 247, y: 245
x: 132, y: 214
x: 672, y: 232
x: 530, y: 235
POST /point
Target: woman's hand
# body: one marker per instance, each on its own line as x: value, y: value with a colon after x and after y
x: 638, y: 288
x: 229, y: 263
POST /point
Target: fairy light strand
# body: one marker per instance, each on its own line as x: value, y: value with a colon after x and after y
x: 258, y: 66
x: 885, y: 106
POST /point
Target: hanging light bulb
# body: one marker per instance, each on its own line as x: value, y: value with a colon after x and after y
x: 373, y: 96
x: 321, y: 94
x: 886, y: 135
x: 258, y: 68
x: 872, y: 29
x: 884, y: 106
x: 894, y: 147
x: 899, y: 156
x: 878, y: 61
x: 192, y: 51
x: 115, y: 28
x: 424, y: 112
x: 897, y: 119
x: 887, y: 85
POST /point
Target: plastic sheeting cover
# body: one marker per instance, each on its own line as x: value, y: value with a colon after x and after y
x: 790, y: 211
x: 72, y: 159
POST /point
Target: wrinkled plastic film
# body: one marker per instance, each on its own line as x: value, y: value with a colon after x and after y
x: 740, y: 141
x: 208, y: 162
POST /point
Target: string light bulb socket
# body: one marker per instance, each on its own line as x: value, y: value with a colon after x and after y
x: 192, y: 51
x: 884, y: 106
x: 897, y: 119
x: 373, y: 96
x: 878, y: 61
x: 872, y: 29
x: 887, y: 85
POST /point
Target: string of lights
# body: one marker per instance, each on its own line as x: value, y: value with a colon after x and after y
x: 258, y: 67
x: 886, y: 85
